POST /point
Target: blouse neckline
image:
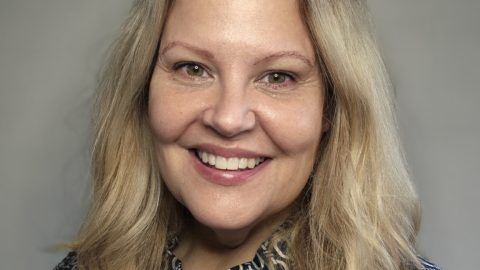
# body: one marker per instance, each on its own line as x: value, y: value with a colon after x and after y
x: 263, y: 256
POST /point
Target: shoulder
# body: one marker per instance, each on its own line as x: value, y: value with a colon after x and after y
x: 428, y: 265
x: 68, y: 263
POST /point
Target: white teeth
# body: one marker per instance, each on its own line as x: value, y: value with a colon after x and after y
x: 233, y: 163
x: 220, y: 163
x: 204, y: 157
x: 211, y: 159
x: 251, y: 163
x: 242, y: 164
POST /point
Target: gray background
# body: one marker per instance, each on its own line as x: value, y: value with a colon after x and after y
x: 50, y: 54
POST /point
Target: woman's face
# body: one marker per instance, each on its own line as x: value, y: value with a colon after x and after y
x: 235, y: 107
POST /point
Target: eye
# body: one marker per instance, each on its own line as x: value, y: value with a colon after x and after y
x: 191, y: 69
x: 277, y: 79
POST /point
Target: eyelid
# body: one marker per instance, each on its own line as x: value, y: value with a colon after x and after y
x: 178, y: 65
x: 292, y: 75
x: 289, y: 83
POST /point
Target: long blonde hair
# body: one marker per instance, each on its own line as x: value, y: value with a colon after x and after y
x: 359, y: 209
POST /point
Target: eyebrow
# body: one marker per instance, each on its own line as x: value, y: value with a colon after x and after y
x: 209, y: 55
x: 281, y: 54
x: 195, y: 49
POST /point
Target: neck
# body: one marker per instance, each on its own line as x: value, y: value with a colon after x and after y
x: 201, y: 247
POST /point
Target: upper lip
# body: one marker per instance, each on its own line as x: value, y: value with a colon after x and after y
x: 228, y: 152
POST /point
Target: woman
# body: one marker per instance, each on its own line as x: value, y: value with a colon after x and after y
x: 232, y: 130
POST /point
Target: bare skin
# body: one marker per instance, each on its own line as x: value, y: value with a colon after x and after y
x: 199, y: 248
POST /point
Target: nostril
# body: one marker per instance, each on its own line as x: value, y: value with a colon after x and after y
x: 230, y: 124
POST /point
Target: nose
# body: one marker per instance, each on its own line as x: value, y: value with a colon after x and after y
x: 231, y: 113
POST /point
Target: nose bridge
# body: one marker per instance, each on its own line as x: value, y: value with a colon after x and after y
x: 231, y: 113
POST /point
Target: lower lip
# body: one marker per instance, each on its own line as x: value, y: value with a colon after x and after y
x: 226, y: 177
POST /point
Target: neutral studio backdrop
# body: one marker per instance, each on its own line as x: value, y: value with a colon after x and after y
x: 50, y: 55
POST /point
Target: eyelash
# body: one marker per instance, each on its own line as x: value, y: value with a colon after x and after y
x: 181, y: 65
x: 289, y: 79
x: 264, y: 79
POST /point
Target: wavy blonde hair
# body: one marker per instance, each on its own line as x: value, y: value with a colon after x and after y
x: 359, y: 209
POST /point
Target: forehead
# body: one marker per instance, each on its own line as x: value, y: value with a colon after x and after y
x: 238, y: 25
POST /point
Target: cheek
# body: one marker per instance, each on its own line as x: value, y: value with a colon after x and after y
x: 169, y: 115
x: 296, y: 127
x: 168, y: 122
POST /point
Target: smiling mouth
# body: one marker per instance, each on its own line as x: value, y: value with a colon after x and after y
x: 228, y: 163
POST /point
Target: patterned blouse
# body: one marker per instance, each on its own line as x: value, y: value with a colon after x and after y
x: 277, y: 258
x: 262, y: 257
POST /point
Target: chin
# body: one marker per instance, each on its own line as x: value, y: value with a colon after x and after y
x: 226, y: 220
x: 230, y: 232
